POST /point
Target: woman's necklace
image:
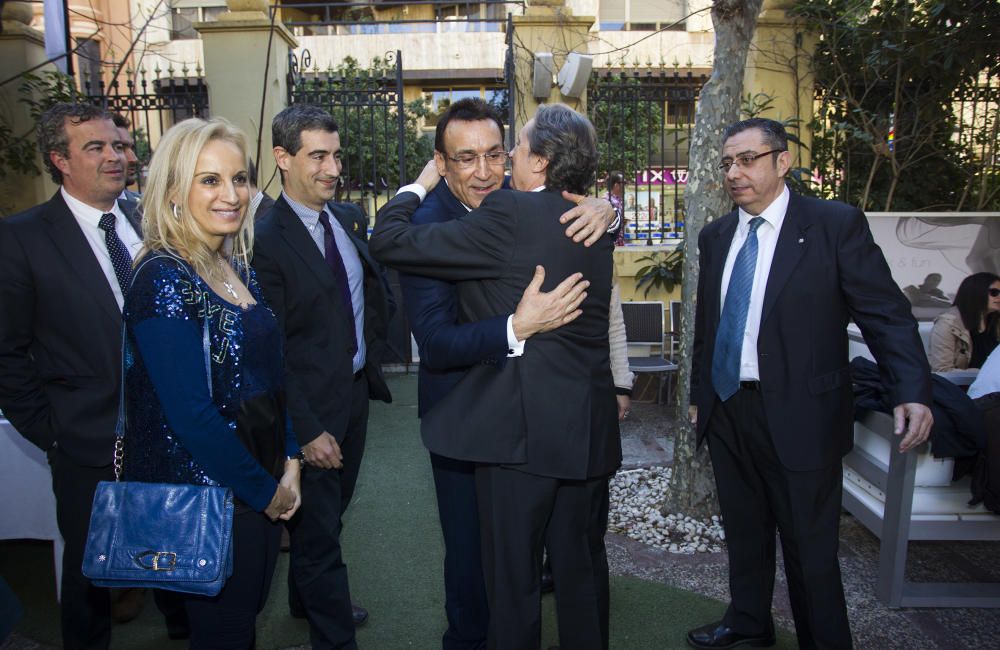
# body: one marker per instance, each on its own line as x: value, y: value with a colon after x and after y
x: 230, y: 289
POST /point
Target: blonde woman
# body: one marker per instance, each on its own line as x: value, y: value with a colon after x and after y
x: 204, y: 380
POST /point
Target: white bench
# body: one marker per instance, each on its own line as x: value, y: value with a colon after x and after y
x: 902, y: 497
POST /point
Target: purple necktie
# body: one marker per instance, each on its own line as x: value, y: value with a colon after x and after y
x: 336, y: 264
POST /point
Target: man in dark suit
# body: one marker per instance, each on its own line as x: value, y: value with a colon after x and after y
x: 469, y: 155
x: 331, y: 299
x: 63, y: 265
x: 780, y: 277
x: 544, y: 425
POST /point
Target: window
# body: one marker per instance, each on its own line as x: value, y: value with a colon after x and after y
x: 184, y: 14
x: 439, y: 99
x: 642, y: 15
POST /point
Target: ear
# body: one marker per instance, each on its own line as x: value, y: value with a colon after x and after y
x: 539, y: 164
x: 282, y: 158
x: 441, y: 162
x: 784, y: 162
x: 60, y: 161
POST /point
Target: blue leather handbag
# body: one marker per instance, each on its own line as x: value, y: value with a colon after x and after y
x: 170, y: 536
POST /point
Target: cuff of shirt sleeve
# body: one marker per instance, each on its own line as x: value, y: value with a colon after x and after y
x: 617, y: 221
x: 515, y: 348
x: 416, y: 188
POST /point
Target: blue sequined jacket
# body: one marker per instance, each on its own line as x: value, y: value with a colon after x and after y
x: 177, y: 430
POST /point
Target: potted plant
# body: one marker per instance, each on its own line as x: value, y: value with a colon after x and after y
x: 663, y: 271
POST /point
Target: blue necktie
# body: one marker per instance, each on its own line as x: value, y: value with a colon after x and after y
x: 732, y: 324
x: 120, y: 258
x: 336, y: 263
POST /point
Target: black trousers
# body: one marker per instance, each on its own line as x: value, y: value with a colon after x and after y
x: 464, y: 586
x: 85, y: 610
x: 521, y: 514
x: 317, y: 578
x: 228, y: 621
x: 759, y: 496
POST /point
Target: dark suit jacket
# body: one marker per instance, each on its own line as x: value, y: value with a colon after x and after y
x: 826, y: 270
x: 60, y: 334
x: 447, y: 348
x: 300, y: 288
x: 552, y: 411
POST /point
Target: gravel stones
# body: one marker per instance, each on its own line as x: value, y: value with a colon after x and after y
x: 635, y: 512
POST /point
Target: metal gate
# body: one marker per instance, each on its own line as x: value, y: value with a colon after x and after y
x: 644, y: 118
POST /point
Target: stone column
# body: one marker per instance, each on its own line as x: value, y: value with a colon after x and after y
x: 780, y: 65
x: 546, y: 26
x: 236, y: 55
x: 21, y: 48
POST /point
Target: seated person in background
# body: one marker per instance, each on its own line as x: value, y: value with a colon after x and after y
x: 212, y: 416
x: 964, y: 335
x: 985, y: 393
x: 927, y: 294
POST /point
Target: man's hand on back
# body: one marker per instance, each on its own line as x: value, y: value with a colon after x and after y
x: 591, y: 218
x: 541, y: 311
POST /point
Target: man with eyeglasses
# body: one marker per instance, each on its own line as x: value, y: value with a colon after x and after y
x: 780, y: 277
x: 470, y: 156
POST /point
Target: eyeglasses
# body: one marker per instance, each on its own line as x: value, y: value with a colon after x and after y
x: 994, y: 292
x: 744, y: 161
x: 467, y: 160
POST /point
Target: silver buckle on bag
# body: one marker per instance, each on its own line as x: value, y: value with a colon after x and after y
x: 162, y: 560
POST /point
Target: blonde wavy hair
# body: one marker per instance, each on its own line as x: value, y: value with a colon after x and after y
x: 166, y: 221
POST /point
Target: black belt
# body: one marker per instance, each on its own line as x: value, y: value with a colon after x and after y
x: 750, y: 385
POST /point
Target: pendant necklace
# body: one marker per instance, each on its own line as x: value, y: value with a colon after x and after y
x: 225, y: 283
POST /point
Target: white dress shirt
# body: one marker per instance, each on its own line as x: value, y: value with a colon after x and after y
x: 767, y: 238
x: 88, y: 217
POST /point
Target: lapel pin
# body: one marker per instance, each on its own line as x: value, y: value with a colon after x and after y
x: 802, y: 240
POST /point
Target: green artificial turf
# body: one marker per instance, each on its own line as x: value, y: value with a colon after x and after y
x: 393, y: 549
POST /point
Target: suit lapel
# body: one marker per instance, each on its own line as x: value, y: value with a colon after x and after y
x: 792, y: 245
x: 719, y: 250
x: 131, y: 210
x: 350, y: 227
x: 79, y: 256
x: 302, y: 243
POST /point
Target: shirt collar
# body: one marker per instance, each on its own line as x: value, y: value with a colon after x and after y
x: 87, y: 213
x: 773, y: 214
x: 309, y: 216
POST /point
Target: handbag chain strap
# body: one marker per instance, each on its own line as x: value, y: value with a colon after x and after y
x: 119, y: 456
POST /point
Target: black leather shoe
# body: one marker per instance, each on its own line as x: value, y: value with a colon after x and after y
x: 359, y: 615
x: 718, y: 635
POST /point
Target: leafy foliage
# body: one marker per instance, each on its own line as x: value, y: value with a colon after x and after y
x: 37, y: 92
x: 908, y: 66
x: 662, y: 272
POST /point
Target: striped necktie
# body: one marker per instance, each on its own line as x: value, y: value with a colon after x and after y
x: 732, y: 324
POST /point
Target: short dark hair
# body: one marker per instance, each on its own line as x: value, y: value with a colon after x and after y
x: 774, y: 132
x: 288, y: 125
x: 568, y: 141
x: 121, y: 121
x: 470, y: 109
x: 972, y: 298
x: 52, y: 130
x: 614, y: 178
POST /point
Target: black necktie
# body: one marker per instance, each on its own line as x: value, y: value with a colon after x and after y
x: 336, y: 264
x: 120, y: 258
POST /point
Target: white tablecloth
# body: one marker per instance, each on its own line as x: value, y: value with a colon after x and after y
x: 29, y: 507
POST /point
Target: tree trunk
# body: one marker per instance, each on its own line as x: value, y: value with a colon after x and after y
x: 692, y: 486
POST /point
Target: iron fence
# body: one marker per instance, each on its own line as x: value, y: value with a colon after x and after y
x: 644, y: 118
